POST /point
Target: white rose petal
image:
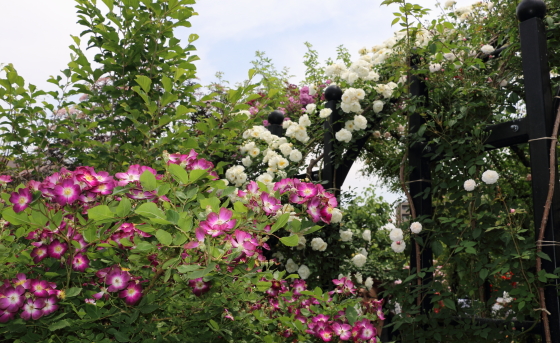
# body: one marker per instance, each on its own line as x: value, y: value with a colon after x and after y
x: 304, y: 271
x: 359, y: 260
x: 398, y: 246
x: 295, y: 156
x: 344, y: 135
x: 396, y: 235
x: 291, y: 266
x: 345, y: 236
x: 366, y: 235
x: 490, y: 177
x: 469, y: 185
x: 318, y: 244
x: 325, y: 112
x: 487, y: 49
x: 416, y: 227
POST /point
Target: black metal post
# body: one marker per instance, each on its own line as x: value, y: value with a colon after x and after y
x: 420, y: 182
x: 540, y: 116
x: 333, y: 94
x: 275, y: 120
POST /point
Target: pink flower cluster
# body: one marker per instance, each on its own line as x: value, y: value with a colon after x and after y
x: 48, y: 244
x: 35, y: 298
x: 318, y: 202
x: 320, y: 326
x: 191, y: 162
x: 117, y: 279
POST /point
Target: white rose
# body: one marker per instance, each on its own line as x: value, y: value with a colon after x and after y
x: 295, y: 156
x: 346, y: 235
x: 377, y: 106
x: 469, y: 185
x: 372, y: 76
x: 503, y: 83
x: 366, y: 235
x: 449, y: 3
x: 304, y: 271
x: 416, y: 227
x: 360, y: 122
x: 388, y: 227
x: 286, y: 124
x: 359, y: 260
x: 398, y: 246
x: 349, y: 125
x: 301, y: 243
x: 435, y: 67
x: 304, y: 119
x: 358, y: 277
x: 336, y: 215
x: 291, y: 266
x: 247, y: 161
x: 490, y: 177
x: 318, y: 244
x: 286, y: 149
x: 449, y: 56
x: 265, y: 178
x: 312, y: 90
x: 487, y: 49
x: 282, y: 163
x: 368, y: 283
x: 363, y: 251
x: 344, y: 135
x: 396, y: 235
x: 325, y: 112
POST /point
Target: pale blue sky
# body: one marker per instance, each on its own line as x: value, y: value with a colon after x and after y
x: 36, y: 35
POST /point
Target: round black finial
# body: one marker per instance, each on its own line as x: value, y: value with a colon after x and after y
x: 528, y: 9
x: 333, y: 92
x: 276, y: 117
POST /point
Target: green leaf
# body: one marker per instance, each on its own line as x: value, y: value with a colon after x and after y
x: 290, y: 241
x: 193, y: 37
x: 543, y: 256
x: 144, y: 82
x: 164, y: 237
x: 197, y: 174
x: 263, y: 285
x: 280, y: 222
x: 15, y: 218
x: 100, y: 213
x: 167, y: 84
x: 185, y: 224
x: 148, y: 181
x: 351, y: 315
x: 179, y: 173
x: 59, y: 325
x: 187, y: 268
x: 239, y: 207
x: 449, y: 304
x: 483, y: 273
x: 72, y: 292
x: 151, y: 210
x: 123, y: 209
x: 251, y: 74
x: 90, y: 234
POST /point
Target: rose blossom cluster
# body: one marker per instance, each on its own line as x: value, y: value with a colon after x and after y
x: 117, y: 279
x: 84, y: 185
x: 319, y: 325
x: 34, y: 297
x: 272, y: 150
x: 319, y: 204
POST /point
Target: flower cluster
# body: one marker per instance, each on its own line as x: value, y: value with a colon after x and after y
x: 117, y: 279
x: 319, y: 204
x: 35, y: 298
x: 275, y: 152
x: 284, y: 300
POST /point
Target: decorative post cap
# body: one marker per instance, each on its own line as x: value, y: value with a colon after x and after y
x: 276, y: 117
x: 333, y: 92
x: 528, y: 9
